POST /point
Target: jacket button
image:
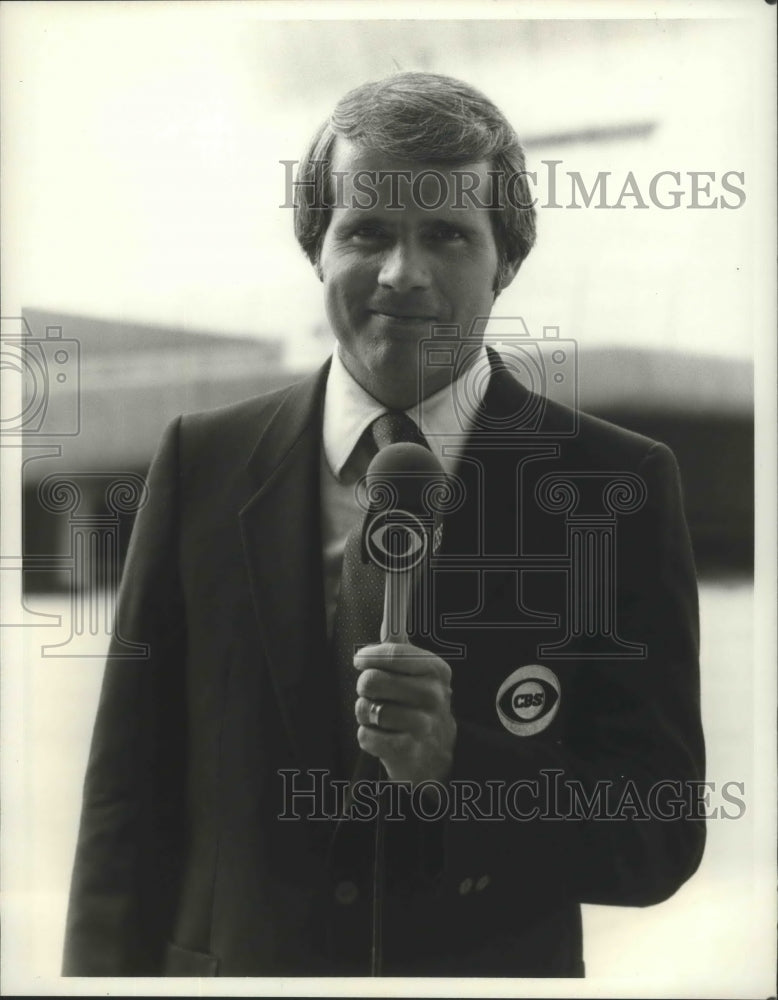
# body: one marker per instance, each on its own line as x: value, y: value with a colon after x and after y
x: 465, y: 886
x: 346, y: 892
x: 482, y: 883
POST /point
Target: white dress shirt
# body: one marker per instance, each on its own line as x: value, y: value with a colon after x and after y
x: 445, y: 418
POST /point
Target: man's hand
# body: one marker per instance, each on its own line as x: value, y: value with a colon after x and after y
x: 415, y: 736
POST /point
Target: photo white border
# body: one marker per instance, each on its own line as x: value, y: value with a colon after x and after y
x: 761, y: 189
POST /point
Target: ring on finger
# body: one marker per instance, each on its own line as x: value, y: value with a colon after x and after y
x: 374, y: 713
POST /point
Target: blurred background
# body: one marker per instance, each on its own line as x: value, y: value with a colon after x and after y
x: 155, y: 272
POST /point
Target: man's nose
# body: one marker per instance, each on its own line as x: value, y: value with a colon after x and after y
x: 405, y: 268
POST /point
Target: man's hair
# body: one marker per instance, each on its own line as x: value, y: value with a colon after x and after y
x: 421, y: 117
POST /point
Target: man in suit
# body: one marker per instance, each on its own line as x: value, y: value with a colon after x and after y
x: 543, y: 714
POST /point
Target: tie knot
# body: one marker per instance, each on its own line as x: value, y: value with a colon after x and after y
x: 395, y: 427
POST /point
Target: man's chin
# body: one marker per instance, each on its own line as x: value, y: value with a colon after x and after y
x: 398, y: 336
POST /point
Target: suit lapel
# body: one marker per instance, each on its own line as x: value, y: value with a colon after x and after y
x: 487, y: 523
x: 282, y: 545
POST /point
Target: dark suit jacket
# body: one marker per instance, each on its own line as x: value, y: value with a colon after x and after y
x: 182, y: 865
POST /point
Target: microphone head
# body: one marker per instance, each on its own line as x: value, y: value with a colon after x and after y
x: 400, y: 526
x: 406, y: 470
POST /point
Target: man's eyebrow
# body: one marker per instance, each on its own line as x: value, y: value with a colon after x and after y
x: 455, y: 221
x: 355, y: 215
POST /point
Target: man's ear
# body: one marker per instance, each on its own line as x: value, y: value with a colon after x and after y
x: 506, y: 272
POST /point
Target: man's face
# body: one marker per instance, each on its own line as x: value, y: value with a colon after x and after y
x: 392, y: 273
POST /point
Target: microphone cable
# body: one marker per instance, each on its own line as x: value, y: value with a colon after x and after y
x: 379, y: 882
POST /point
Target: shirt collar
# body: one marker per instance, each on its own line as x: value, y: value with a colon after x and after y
x: 446, y: 417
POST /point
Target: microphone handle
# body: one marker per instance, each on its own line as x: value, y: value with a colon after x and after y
x: 397, y: 596
x: 394, y: 628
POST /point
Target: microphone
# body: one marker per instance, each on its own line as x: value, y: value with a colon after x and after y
x: 400, y: 533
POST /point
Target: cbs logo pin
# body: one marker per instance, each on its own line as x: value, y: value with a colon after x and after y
x: 528, y: 699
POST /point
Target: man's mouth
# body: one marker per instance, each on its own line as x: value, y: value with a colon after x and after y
x: 403, y: 317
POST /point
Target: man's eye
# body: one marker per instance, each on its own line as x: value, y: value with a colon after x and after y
x: 369, y: 232
x: 447, y: 233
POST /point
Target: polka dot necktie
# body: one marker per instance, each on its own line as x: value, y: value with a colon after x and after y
x: 360, y: 605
